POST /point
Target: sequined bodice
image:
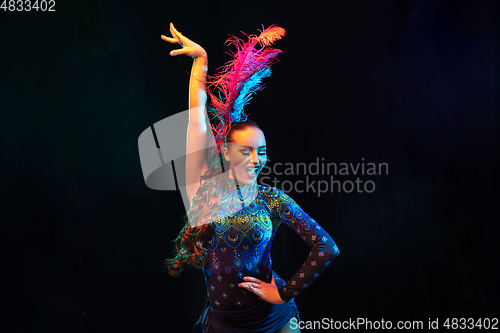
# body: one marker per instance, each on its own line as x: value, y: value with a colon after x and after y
x: 241, y: 243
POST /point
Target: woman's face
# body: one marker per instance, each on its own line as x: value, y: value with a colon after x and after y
x: 246, y: 155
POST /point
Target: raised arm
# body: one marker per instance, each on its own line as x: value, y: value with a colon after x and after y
x: 196, y: 164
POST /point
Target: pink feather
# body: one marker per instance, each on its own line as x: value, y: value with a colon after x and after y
x: 232, y: 77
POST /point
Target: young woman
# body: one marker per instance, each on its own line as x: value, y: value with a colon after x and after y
x: 232, y: 220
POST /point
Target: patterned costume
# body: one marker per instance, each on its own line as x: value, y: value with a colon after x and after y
x: 241, y: 245
x: 244, y: 228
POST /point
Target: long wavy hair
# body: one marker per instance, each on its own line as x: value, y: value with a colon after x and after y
x: 188, y: 246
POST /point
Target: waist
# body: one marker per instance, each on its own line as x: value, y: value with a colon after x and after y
x: 256, y: 317
x: 240, y: 311
x: 234, y: 300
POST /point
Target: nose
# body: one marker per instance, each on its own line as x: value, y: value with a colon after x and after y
x: 255, y: 159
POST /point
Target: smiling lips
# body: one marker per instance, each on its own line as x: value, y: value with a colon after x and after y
x: 252, y: 171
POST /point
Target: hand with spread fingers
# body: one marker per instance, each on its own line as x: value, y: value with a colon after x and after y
x: 266, y: 291
x: 189, y: 47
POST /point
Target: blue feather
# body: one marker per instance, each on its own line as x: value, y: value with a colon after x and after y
x: 245, y: 95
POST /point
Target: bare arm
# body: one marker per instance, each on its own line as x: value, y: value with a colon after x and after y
x: 196, y: 164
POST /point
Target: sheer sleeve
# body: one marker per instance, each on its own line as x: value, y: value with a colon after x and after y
x: 323, y: 249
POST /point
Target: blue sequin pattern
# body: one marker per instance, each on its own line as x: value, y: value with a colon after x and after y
x: 241, y: 244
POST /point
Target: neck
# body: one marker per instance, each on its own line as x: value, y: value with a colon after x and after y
x: 239, y: 184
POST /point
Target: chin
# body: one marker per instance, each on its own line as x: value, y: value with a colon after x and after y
x: 244, y: 180
x: 248, y: 181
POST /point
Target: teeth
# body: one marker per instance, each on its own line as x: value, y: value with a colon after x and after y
x: 251, y: 170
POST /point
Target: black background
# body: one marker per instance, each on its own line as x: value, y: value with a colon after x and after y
x: 407, y: 83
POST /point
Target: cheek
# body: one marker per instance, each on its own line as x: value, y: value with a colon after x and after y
x: 236, y: 160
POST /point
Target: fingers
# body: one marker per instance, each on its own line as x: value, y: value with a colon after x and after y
x: 177, y: 38
x: 174, y: 31
x: 174, y: 40
x: 178, y: 52
x: 176, y: 34
x: 250, y: 285
x: 251, y: 278
x: 169, y: 39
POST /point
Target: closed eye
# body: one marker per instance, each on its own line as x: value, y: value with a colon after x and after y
x: 260, y: 153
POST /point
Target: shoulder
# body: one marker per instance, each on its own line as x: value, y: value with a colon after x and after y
x: 269, y: 192
x: 274, y: 195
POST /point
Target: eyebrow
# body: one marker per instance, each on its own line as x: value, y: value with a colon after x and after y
x: 251, y: 147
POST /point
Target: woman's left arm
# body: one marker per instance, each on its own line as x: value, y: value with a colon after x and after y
x: 323, y: 248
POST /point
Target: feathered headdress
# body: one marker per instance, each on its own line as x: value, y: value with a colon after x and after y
x: 240, y: 77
